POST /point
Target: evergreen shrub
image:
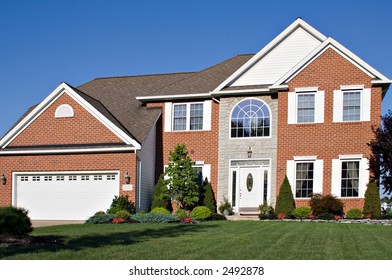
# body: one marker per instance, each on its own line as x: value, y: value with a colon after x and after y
x: 121, y: 202
x: 302, y: 212
x: 354, y: 213
x: 161, y: 196
x: 209, y: 199
x: 100, y: 219
x: 200, y: 213
x: 285, y: 203
x: 14, y: 221
x: 372, y: 205
x: 160, y: 210
x: 154, y: 218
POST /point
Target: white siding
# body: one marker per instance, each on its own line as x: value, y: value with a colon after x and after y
x: 147, y: 176
x: 280, y: 60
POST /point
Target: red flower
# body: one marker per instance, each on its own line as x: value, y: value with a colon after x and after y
x: 336, y: 217
x: 281, y: 216
x: 117, y: 220
x: 367, y: 216
x: 312, y: 216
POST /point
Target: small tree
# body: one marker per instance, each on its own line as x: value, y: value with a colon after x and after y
x: 372, y: 204
x: 209, y: 199
x: 161, y: 196
x: 285, y: 202
x: 182, y: 177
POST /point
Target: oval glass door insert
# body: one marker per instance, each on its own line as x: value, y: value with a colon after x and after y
x: 249, y: 182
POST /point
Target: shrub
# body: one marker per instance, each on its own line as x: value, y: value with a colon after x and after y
x: 325, y: 216
x: 209, y: 199
x: 14, y: 221
x: 326, y: 204
x: 123, y: 214
x: 100, y: 219
x: 200, y: 213
x: 188, y: 220
x: 354, y: 213
x: 160, y: 210
x: 302, y: 212
x: 372, y: 204
x: 387, y: 214
x: 121, y: 202
x: 181, y: 214
x: 99, y: 213
x: 154, y: 218
x: 142, y: 212
x: 217, y: 217
x: 161, y: 196
x: 285, y: 202
x: 266, y: 212
x: 225, y: 205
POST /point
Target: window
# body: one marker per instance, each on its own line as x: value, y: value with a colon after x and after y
x: 24, y: 178
x: 111, y: 177
x: 188, y: 116
x: 97, y: 177
x: 48, y: 178
x: 350, y: 179
x: 72, y: 178
x: 199, y: 180
x: 36, y: 178
x: 351, y: 106
x: 304, y: 179
x: 59, y: 178
x: 250, y: 118
x: 85, y: 177
x: 305, y: 108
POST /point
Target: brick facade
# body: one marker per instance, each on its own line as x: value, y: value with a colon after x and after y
x: 326, y: 140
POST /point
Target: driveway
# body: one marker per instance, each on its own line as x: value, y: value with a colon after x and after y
x: 46, y: 223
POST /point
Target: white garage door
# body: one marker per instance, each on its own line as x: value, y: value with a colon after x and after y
x: 71, y: 196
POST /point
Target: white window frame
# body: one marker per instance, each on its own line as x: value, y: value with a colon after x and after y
x: 337, y: 175
x: 169, y: 116
x: 291, y: 171
x: 292, y: 115
x: 365, y: 103
x: 206, y: 170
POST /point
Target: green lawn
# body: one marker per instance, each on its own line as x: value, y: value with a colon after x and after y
x: 212, y: 240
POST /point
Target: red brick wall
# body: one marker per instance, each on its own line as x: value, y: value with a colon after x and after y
x: 83, y: 128
x: 326, y: 140
x: 202, y: 145
x: 124, y: 162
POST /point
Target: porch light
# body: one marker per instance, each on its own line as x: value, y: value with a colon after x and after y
x: 127, y: 178
x: 3, y: 179
x: 249, y: 152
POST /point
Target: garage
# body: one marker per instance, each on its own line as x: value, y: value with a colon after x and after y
x: 65, y: 196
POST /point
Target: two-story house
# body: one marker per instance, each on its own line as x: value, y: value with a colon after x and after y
x: 303, y: 106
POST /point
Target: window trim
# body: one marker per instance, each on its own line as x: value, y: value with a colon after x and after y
x: 296, y: 179
x: 169, y: 116
x: 341, y: 177
x: 256, y: 137
x: 292, y: 103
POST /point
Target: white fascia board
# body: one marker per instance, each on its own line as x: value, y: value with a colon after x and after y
x: 172, y: 97
x: 68, y: 151
x: 239, y: 91
x: 49, y: 100
x: 379, y: 82
x: 296, y: 24
x: 331, y: 43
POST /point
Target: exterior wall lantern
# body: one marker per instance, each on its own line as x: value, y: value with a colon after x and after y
x: 127, y: 178
x: 3, y: 179
x: 249, y: 152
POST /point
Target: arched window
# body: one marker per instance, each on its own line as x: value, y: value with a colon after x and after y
x: 64, y: 111
x: 250, y: 118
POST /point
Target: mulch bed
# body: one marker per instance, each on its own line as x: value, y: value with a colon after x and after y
x: 27, y: 241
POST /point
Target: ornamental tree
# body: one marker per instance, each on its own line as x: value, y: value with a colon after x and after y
x: 380, y: 162
x: 181, y: 177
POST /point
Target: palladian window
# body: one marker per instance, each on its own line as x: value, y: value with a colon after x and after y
x: 250, y: 118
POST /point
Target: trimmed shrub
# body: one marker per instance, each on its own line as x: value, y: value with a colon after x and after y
x: 123, y: 214
x: 354, y: 213
x: 100, y: 219
x: 200, y: 213
x: 302, y: 212
x: 160, y: 210
x: 154, y: 218
x: 217, y: 217
x: 14, y: 221
x: 121, y: 202
x: 161, y: 196
x: 285, y: 202
x: 387, y: 214
x: 99, y: 213
x: 326, y: 204
x: 372, y: 204
x: 325, y: 216
x: 209, y: 199
x: 266, y: 212
x: 181, y: 214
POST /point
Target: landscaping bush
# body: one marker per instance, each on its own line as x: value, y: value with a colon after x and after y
x: 121, y: 202
x: 302, y: 212
x: 161, y: 196
x: 200, y: 213
x: 326, y: 204
x: 181, y: 214
x: 225, y: 205
x: 209, y: 199
x: 14, y: 221
x: 123, y: 214
x: 154, y: 218
x: 285, y: 203
x: 354, y: 213
x: 160, y: 210
x: 266, y: 212
x: 372, y: 205
x: 387, y: 214
x: 100, y: 219
x: 217, y: 217
x: 325, y: 216
x: 99, y: 213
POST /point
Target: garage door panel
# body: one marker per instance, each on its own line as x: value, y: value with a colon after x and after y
x: 66, y: 197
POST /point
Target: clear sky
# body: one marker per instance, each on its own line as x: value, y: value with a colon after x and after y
x: 43, y: 43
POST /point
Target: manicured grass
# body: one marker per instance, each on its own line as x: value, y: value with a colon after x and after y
x: 212, y: 240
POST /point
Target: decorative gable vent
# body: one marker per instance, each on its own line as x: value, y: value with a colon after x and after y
x: 64, y: 111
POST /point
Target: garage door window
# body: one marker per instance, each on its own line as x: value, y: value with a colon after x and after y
x: 48, y: 178
x: 97, y: 177
x: 85, y: 177
x: 111, y: 177
x: 36, y: 178
x: 60, y: 178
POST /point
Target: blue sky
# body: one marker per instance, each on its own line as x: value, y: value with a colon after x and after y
x: 46, y: 42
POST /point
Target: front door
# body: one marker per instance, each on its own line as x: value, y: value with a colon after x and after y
x: 250, y: 188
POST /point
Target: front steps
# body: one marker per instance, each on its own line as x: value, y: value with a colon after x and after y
x: 243, y: 217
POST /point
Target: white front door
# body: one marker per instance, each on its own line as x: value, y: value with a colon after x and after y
x: 250, y: 187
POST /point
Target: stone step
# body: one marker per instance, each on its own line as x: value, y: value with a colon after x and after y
x: 243, y: 217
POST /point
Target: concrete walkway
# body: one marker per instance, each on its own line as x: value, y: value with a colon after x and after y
x: 46, y: 223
